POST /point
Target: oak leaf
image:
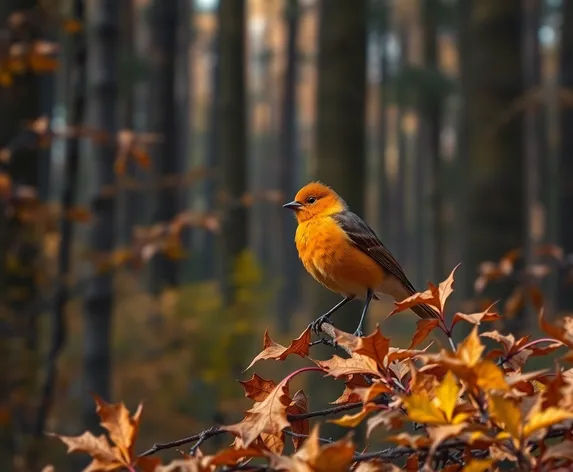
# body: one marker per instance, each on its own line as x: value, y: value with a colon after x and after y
x: 276, y: 351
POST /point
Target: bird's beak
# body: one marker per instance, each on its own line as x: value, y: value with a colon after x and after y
x: 294, y: 205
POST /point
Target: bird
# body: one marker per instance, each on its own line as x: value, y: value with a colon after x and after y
x: 345, y: 255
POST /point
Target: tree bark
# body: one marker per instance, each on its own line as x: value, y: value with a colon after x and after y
x: 231, y: 136
x: 493, y: 83
x: 102, y: 29
x: 163, y: 113
x: 565, y: 203
x: 289, y: 266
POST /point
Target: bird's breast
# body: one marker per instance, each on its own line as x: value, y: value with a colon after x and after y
x: 328, y: 255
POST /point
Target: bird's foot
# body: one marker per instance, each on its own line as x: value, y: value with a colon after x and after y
x: 317, y: 324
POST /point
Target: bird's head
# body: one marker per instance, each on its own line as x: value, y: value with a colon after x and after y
x: 315, y: 200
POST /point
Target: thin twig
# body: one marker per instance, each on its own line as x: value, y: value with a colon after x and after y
x: 325, y: 412
x: 209, y: 433
x: 292, y: 434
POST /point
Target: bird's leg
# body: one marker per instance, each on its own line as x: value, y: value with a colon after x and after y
x: 316, y: 324
x: 359, y: 331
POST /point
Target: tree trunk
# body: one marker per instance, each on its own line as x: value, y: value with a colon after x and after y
x: 102, y: 29
x: 340, y: 136
x: 565, y: 297
x: 495, y: 166
x: 166, y: 160
x: 289, y: 266
x: 533, y: 232
x: 431, y: 115
x: 231, y: 136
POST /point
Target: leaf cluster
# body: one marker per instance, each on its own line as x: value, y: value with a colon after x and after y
x: 472, y: 407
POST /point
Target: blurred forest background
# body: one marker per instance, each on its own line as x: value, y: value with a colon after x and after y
x: 146, y: 148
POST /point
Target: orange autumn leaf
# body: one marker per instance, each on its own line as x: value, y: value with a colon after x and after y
x: 376, y: 346
x: 276, y: 351
x: 476, y: 318
x: 507, y: 413
x: 72, y: 26
x: 545, y: 418
x: 231, y: 456
x: 268, y: 416
x: 357, y: 364
x: 122, y: 429
x: 435, y: 296
x: 257, y: 388
x: 312, y: 457
x: 353, y: 420
x: 423, y: 329
x: 299, y: 406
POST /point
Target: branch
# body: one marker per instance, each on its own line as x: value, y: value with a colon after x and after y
x: 216, y: 431
x: 202, y: 436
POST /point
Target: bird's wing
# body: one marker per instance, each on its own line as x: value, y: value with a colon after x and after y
x: 364, y: 238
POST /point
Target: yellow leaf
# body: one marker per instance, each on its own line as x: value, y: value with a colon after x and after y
x: 546, y: 418
x: 447, y: 395
x: 478, y: 465
x: 489, y: 376
x: 351, y: 421
x: 471, y: 349
x: 422, y: 410
x: 506, y: 412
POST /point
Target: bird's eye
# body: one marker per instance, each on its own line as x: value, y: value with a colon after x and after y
x: 311, y: 200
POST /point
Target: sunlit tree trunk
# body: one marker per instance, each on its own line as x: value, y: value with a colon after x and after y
x: 231, y: 135
x: 102, y: 30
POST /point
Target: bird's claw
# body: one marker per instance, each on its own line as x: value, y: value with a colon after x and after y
x: 317, y: 324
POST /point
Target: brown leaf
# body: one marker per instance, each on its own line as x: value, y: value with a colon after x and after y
x: 257, y: 388
x: 193, y: 464
x: 438, y: 434
x: 353, y: 420
x: 122, y: 428
x: 349, y: 395
x: 104, y: 456
x: 357, y: 364
x: 375, y: 346
x: 147, y: 464
x: 563, y: 333
x: 476, y: 318
x: 274, y: 350
x: 268, y: 416
x: 299, y: 406
x: 424, y: 328
x: 390, y: 419
x: 231, y: 456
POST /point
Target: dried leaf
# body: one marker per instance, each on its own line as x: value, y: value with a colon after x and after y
x: 545, y: 418
x: 122, y: 428
x: 299, y: 406
x: 351, y: 421
x: 470, y: 350
x: 104, y: 456
x: 424, y: 328
x: 447, y: 395
x: 257, y: 388
x: 268, y: 416
x: 274, y: 350
x: 476, y: 318
x: 376, y: 346
x: 357, y: 364
x: 507, y: 413
x: 563, y: 450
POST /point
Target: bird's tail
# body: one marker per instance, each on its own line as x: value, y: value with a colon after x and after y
x: 425, y: 311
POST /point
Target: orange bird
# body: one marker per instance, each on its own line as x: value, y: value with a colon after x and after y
x: 344, y: 254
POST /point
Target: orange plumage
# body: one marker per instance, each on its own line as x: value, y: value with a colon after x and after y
x: 344, y: 254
